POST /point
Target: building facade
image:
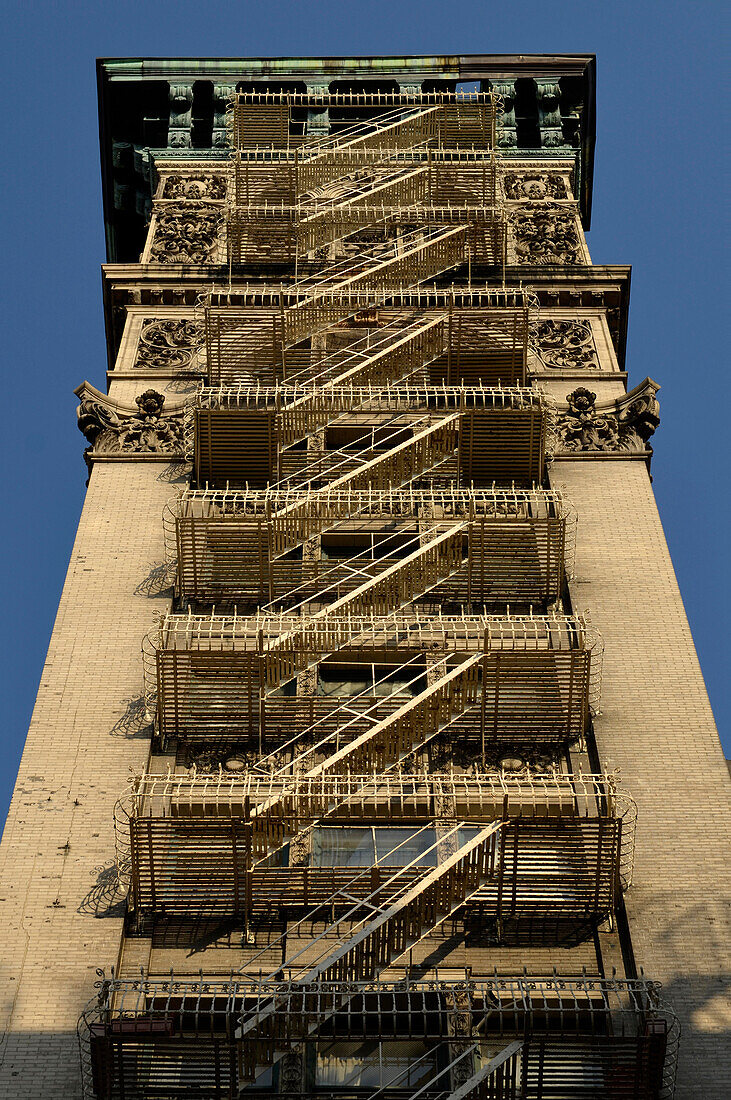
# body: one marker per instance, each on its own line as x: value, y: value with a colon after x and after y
x: 371, y: 756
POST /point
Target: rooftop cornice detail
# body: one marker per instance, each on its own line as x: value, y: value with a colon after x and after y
x: 445, y: 67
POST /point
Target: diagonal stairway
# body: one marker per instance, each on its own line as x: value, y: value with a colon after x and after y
x: 399, y: 913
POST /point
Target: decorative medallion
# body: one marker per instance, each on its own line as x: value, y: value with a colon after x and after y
x: 194, y: 187
x: 186, y: 234
x: 535, y: 186
x: 546, y: 236
x: 564, y: 345
x: 625, y: 425
x: 113, y: 429
x: 168, y: 344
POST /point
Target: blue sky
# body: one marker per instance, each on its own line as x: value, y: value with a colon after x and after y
x: 658, y: 203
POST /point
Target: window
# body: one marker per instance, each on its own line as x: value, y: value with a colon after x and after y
x: 379, y: 681
x: 373, y: 1064
x: 362, y: 846
x: 373, y: 546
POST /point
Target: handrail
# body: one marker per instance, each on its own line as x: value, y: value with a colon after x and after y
x: 349, y: 956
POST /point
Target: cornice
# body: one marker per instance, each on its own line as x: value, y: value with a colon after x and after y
x: 443, y: 66
x: 168, y: 105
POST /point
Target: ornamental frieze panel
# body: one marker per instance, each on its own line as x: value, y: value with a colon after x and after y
x: 546, y: 236
x: 564, y: 344
x: 623, y: 426
x: 169, y: 344
x: 186, y: 234
x: 194, y: 187
x: 112, y: 428
x: 535, y: 186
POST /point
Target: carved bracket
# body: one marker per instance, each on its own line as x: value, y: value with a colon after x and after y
x: 221, y: 98
x: 624, y: 425
x: 116, y: 429
x: 507, y: 131
x: 181, y: 116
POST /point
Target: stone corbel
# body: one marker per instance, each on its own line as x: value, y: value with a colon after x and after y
x: 548, y: 98
x: 318, y: 117
x: 181, y: 116
x: 621, y: 426
x: 113, y: 428
x: 222, y: 94
x: 507, y: 127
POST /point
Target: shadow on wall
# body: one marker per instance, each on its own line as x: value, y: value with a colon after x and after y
x: 135, y: 722
x: 704, y: 1061
x: 106, y: 898
x: 159, y: 581
x: 682, y: 938
x: 40, y: 1063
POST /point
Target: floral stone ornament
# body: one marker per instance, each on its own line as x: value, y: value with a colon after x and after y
x: 624, y: 425
x: 168, y: 344
x: 112, y: 428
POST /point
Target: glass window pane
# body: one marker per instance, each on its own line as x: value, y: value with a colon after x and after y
x: 343, y: 682
x: 411, y: 846
x: 411, y: 1062
x: 370, y: 1064
x: 343, y: 848
x: 347, y: 1064
x: 401, y: 681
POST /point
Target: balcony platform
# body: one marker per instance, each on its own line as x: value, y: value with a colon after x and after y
x: 221, y: 680
x: 251, y: 548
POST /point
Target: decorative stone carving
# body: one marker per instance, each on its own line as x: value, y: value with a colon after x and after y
x: 507, y: 130
x: 460, y: 1018
x: 546, y: 236
x: 300, y: 848
x: 463, y: 1069
x: 115, y: 429
x: 535, y: 186
x: 221, y: 99
x: 201, y: 185
x: 168, y: 344
x: 548, y: 100
x: 181, y: 116
x: 625, y: 425
x: 564, y: 345
x: 186, y: 234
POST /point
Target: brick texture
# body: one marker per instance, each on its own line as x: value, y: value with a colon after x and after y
x: 657, y: 727
x: 57, y: 910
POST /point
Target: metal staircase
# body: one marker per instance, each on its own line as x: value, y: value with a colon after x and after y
x: 371, y: 218
x: 359, y: 184
x: 398, y: 913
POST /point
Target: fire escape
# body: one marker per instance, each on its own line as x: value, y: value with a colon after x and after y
x: 369, y: 650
